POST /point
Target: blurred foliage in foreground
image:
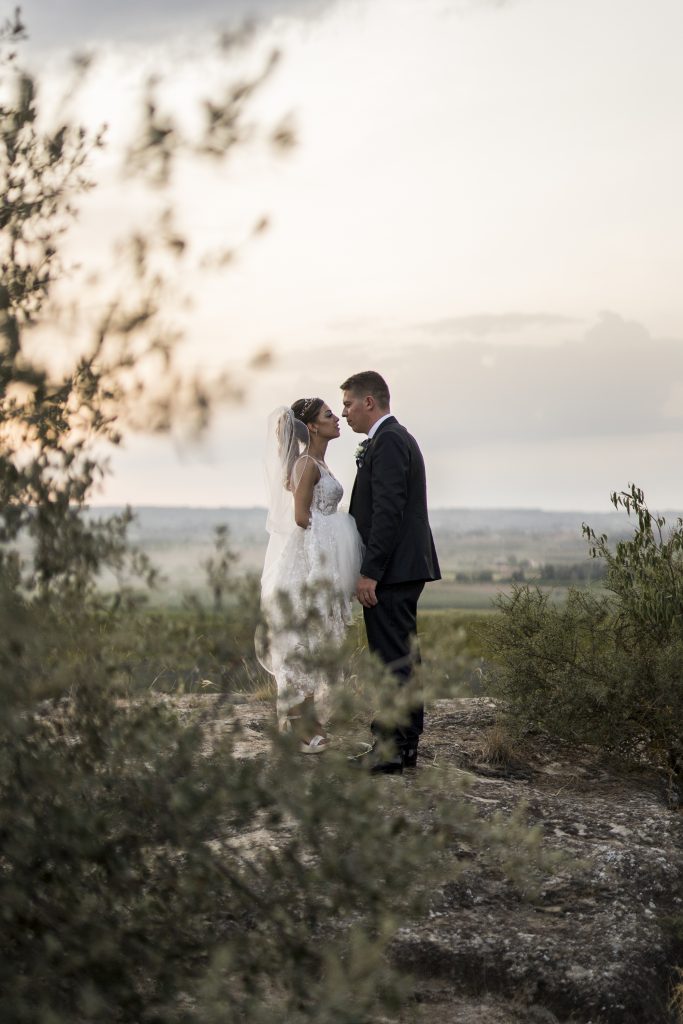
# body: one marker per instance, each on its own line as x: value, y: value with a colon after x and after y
x: 147, y: 872
x: 607, y: 668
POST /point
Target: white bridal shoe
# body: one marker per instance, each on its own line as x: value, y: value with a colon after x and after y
x: 318, y: 744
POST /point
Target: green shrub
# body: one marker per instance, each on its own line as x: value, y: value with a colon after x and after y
x: 188, y: 649
x: 150, y: 874
x: 453, y: 655
x: 605, y: 669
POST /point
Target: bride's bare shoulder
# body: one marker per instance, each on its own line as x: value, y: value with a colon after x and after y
x: 305, y: 470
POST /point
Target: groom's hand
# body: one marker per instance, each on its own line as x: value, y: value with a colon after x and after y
x: 365, y: 591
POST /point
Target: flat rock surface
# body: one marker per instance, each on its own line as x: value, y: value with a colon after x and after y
x: 598, y: 944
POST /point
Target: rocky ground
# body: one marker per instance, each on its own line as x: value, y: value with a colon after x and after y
x: 601, y: 941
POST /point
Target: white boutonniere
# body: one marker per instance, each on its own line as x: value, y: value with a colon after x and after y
x: 359, y: 454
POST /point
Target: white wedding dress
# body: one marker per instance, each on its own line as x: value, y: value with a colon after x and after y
x: 308, y: 579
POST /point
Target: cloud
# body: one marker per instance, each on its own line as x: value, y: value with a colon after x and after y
x: 614, y: 381
x: 500, y: 424
x: 79, y: 23
x: 483, y: 324
x: 614, y: 378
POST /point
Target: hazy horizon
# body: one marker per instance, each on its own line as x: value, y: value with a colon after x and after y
x: 432, y: 508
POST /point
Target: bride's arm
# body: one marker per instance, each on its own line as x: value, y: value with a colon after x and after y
x: 305, y: 477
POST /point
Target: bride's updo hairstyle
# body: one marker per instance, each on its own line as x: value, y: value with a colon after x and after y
x: 293, y: 437
x: 307, y: 409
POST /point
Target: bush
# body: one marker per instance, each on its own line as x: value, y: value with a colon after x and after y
x: 604, y: 669
x: 188, y: 649
x: 150, y: 873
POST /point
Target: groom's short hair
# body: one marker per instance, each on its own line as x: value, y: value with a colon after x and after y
x: 369, y: 383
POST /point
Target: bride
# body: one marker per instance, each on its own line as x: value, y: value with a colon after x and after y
x: 311, y: 566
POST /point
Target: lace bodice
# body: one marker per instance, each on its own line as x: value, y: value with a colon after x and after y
x: 327, y: 493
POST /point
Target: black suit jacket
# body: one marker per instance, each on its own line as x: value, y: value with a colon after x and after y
x: 389, y: 504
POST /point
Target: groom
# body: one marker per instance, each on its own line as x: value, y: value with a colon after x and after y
x: 389, y: 504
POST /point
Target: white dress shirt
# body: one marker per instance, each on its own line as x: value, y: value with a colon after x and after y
x: 375, y: 426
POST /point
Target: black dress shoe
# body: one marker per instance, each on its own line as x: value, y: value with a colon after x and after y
x: 371, y: 762
x: 392, y: 767
x: 409, y: 757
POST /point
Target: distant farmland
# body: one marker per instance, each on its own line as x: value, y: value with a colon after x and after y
x: 480, y: 550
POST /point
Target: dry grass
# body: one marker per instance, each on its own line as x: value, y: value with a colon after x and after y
x: 498, y: 747
x: 676, y: 1002
x: 255, y: 681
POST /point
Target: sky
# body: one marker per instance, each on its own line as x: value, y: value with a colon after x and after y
x: 483, y: 204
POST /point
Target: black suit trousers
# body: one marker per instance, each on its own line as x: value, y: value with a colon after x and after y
x: 391, y: 626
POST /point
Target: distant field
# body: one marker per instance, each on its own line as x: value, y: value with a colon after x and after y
x: 441, y: 596
x: 454, y: 652
x: 497, y: 543
x: 475, y: 596
x: 447, y: 594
